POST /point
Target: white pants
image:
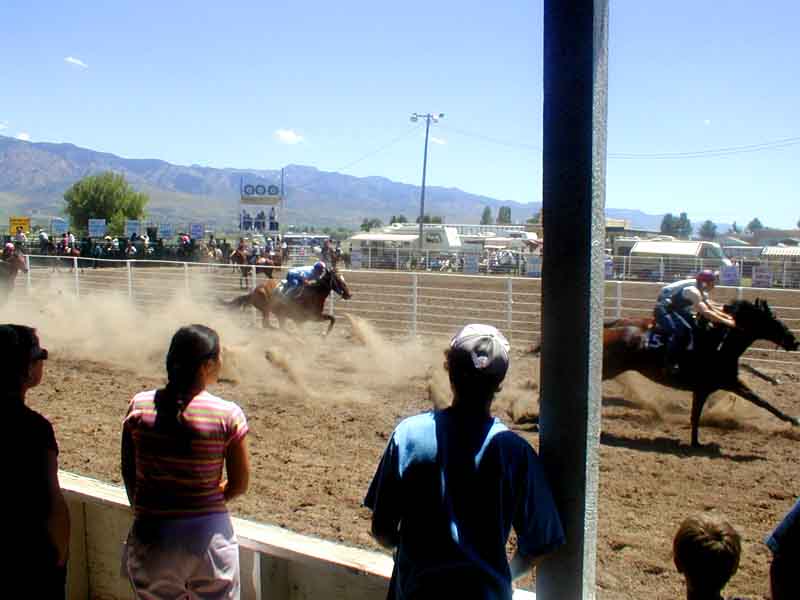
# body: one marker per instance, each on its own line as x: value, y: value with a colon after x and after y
x: 184, y: 559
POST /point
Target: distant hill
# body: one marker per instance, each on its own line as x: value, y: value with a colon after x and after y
x: 34, y: 176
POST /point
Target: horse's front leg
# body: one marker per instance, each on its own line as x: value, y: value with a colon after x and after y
x: 331, y: 320
x: 741, y: 389
x: 758, y: 373
x: 699, y: 398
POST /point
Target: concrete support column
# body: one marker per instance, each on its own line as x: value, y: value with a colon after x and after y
x: 574, y: 166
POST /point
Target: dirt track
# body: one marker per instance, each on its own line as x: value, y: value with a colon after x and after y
x: 320, y: 414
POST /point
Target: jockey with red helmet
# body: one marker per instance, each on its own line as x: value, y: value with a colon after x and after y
x: 8, y: 250
x: 675, y: 311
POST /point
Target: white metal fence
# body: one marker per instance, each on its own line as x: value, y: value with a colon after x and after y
x: 398, y: 302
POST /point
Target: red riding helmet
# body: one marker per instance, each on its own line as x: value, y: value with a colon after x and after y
x: 706, y: 277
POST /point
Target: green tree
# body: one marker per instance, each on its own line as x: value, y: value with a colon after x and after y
x: 754, y: 225
x: 683, y: 227
x: 504, y: 215
x: 105, y: 196
x: 401, y: 219
x: 368, y: 224
x: 535, y: 219
x: 669, y: 224
x: 798, y: 223
x: 708, y: 231
x: 734, y: 228
x: 486, y: 217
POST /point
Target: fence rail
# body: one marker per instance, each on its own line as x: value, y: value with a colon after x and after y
x: 399, y: 302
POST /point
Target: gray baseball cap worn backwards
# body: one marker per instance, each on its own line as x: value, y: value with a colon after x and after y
x: 487, y: 349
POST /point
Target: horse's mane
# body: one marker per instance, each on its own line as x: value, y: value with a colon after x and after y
x: 738, y: 307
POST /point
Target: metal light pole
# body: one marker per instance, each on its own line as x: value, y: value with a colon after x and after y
x: 428, y: 118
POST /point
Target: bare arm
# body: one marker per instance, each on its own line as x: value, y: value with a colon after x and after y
x: 714, y: 315
x: 237, y: 468
x: 58, y: 519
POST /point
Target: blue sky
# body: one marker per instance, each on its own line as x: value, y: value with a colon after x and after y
x: 265, y: 84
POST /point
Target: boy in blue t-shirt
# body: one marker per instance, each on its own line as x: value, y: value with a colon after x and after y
x: 452, y: 484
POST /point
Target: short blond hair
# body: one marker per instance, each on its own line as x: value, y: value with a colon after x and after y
x: 706, y: 550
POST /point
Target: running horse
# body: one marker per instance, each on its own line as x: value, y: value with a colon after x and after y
x: 268, y: 299
x: 9, y: 268
x: 711, y: 365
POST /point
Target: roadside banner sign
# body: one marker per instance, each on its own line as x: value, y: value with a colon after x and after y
x: 97, y: 228
x: 533, y: 267
x: 471, y: 263
x: 197, y: 230
x: 58, y: 226
x: 355, y: 259
x: 729, y: 275
x: 762, y: 276
x: 132, y: 226
x: 14, y: 222
x: 165, y: 230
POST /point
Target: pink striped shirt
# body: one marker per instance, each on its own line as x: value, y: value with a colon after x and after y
x: 178, y: 476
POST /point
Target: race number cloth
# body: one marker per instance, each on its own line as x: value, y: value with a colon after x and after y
x: 179, y: 476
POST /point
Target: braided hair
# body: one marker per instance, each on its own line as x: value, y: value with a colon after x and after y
x: 191, y: 347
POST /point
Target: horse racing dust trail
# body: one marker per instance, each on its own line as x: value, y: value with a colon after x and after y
x: 321, y: 411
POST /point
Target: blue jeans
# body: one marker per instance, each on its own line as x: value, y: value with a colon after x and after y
x: 678, y: 326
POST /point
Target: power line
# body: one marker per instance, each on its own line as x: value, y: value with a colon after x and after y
x: 706, y: 153
x: 360, y: 159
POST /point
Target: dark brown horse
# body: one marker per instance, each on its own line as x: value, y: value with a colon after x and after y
x: 712, y: 364
x: 307, y: 307
x: 9, y: 267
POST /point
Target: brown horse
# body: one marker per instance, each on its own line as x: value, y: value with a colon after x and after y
x: 712, y: 364
x: 9, y: 267
x: 307, y: 307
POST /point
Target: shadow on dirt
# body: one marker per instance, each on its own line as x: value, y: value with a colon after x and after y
x: 663, y: 445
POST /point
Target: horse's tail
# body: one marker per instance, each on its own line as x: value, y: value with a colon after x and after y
x: 237, y: 302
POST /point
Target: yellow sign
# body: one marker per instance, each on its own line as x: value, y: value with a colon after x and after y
x: 14, y: 222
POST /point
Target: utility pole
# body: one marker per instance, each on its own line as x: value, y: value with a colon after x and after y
x: 428, y: 118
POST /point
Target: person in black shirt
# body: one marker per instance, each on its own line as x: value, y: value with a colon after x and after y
x: 37, y: 527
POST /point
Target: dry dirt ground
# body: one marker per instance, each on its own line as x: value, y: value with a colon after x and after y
x: 321, y: 411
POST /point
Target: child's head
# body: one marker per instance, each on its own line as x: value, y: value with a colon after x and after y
x: 706, y: 550
x: 477, y: 362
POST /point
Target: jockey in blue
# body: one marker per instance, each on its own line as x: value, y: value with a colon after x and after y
x: 675, y: 312
x: 299, y: 277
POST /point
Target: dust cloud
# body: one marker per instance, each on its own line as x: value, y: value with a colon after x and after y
x: 350, y: 365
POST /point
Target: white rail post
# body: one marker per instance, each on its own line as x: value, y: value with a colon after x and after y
x: 77, y: 276
x: 253, y: 278
x: 186, y: 277
x: 624, y: 267
x: 509, y: 306
x: 618, y: 300
x: 369, y: 257
x: 739, y: 293
x: 783, y: 280
x: 397, y: 259
x: 414, y: 285
x: 130, y: 280
x: 28, y: 274
x: 661, y: 268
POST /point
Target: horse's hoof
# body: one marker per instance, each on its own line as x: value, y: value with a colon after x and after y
x: 795, y: 421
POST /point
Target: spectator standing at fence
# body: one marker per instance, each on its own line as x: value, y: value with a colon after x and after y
x: 706, y: 550
x: 36, y: 527
x: 784, y: 542
x: 20, y: 236
x: 452, y: 484
x: 175, y: 442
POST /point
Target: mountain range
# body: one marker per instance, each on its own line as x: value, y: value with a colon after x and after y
x: 34, y: 177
